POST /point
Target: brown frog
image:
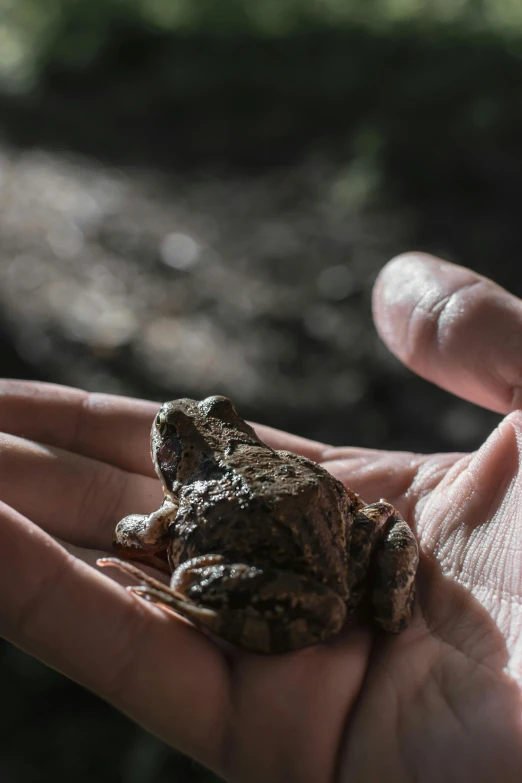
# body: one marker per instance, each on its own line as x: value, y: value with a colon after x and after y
x: 266, y: 549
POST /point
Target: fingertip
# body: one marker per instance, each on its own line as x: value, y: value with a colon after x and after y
x: 401, y: 283
x: 513, y: 422
x: 391, y: 295
x: 408, y: 295
x: 404, y: 263
x: 453, y: 327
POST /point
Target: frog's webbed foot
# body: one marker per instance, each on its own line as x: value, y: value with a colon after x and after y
x: 260, y: 609
x: 153, y: 590
x: 145, y: 537
x: 383, y: 542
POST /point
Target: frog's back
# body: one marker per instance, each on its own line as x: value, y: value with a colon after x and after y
x: 270, y: 508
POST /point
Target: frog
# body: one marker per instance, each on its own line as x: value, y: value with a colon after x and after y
x: 264, y: 549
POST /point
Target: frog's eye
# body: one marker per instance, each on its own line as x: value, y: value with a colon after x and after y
x: 218, y: 407
x: 166, y: 423
x: 161, y: 423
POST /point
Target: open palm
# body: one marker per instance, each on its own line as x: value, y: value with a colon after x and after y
x: 441, y: 701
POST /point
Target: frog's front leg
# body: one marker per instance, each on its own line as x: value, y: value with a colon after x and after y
x: 265, y: 610
x: 145, y: 537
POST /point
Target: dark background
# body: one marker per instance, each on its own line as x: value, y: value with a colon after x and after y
x: 197, y: 197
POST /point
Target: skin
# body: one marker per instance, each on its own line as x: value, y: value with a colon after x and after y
x: 266, y: 548
x: 441, y: 701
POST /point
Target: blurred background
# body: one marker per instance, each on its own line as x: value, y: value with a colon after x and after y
x: 196, y: 197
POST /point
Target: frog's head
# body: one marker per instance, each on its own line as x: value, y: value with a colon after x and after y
x: 187, y: 436
x: 176, y: 442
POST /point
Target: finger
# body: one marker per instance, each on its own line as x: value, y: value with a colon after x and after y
x: 72, y: 497
x: 161, y: 672
x: 472, y: 528
x: 453, y: 327
x: 101, y: 426
x: 80, y: 500
x: 374, y: 474
x: 401, y: 478
x: 277, y: 439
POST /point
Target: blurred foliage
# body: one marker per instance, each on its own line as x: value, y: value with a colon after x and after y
x: 72, y: 32
x: 415, y: 92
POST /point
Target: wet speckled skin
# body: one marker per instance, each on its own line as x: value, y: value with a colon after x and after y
x: 266, y: 548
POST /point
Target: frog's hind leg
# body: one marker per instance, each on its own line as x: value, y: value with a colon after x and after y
x: 365, y: 535
x: 383, y: 551
x: 262, y: 609
x: 265, y: 610
x: 397, y: 558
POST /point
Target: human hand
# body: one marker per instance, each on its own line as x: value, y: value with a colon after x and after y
x: 440, y: 701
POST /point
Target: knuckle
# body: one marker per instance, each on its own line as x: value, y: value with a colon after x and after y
x: 79, y: 430
x: 102, y: 493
